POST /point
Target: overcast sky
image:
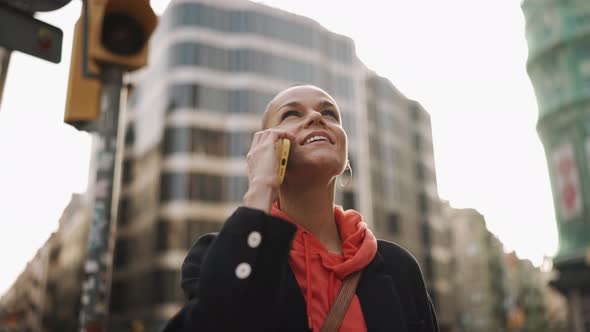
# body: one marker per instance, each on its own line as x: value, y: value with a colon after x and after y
x: 464, y: 60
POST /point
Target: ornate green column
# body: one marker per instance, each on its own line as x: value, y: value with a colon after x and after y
x: 558, y: 35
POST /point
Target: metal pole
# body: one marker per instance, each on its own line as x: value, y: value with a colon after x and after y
x: 96, y: 285
x: 4, y: 62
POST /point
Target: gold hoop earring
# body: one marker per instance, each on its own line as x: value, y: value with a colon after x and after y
x: 349, y: 178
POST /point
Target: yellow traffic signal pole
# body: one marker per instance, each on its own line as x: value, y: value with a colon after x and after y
x: 95, y: 294
x: 98, y: 266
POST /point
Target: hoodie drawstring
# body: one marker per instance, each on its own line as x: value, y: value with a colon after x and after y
x: 308, y: 279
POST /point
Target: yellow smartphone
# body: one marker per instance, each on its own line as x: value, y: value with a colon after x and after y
x: 283, y: 155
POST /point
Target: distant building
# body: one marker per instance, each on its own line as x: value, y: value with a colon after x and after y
x: 556, y: 307
x: 46, y: 295
x: 479, y: 274
x: 405, y: 203
x: 558, y: 36
x: 21, y: 307
x: 532, y: 305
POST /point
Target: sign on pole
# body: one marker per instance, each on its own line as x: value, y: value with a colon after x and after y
x: 31, y: 6
x: 21, y: 32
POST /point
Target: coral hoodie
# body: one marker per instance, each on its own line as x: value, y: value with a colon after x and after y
x: 319, y: 273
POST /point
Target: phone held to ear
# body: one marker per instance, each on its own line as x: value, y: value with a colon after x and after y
x: 283, y: 146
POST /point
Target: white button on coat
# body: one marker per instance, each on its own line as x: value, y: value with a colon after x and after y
x: 243, y: 270
x: 254, y: 239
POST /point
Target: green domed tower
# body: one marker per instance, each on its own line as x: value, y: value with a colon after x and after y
x: 558, y: 35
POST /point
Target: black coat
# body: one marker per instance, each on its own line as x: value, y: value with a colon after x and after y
x: 267, y: 297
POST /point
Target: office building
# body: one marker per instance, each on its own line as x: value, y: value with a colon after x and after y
x: 479, y: 274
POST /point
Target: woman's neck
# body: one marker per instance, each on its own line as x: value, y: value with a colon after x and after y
x: 313, y: 208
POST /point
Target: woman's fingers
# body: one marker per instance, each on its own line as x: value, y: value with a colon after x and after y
x: 261, y: 161
x: 271, y: 134
x: 262, y: 168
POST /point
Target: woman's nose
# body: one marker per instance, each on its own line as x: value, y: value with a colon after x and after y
x: 315, y: 118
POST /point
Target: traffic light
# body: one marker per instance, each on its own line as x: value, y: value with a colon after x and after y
x: 116, y: 34
x: 119, y: 31
x: 83, y: 98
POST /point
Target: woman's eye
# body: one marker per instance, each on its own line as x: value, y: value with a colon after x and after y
x: 330, y: 113
x: 288, y: 114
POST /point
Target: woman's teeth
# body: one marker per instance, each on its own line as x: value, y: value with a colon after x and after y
x: 315, y: 138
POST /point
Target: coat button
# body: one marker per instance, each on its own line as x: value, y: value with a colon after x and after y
x: 243, y: 270
x: 254, y: 239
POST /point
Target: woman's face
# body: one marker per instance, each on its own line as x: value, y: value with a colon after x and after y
x: 313, y: 117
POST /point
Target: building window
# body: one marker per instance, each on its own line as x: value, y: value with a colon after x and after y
x: 174, y: 186
x: 130, y: 135
x: 177, y: 140
x: 206, y: 141
x: 348, y: 200
x: 119, y: 296
x: 54, y: 254
x: 204, y: 187
x: 393, y: 223
x: 252, y: 61
x: 162, y: 231
x: 123, y: 212
x: 423, y: 205
x: 165, y: 286
x: 121, y: 253
x: 127, y: 172
x: 415, y: 112
x: 417, y: 142
x: 239, y: 143
x: 170, y: 235
x: 212, y: 99
x: 425, y: 233
x: 139, y: 293
x: 245, y: 21
x: 235, y: 187
x: 428, y: 267
x: 420, y: 171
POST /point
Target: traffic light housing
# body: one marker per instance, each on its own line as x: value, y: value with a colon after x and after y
x: 119, y: 31
x: 83, y: 98
x: 115, y: 33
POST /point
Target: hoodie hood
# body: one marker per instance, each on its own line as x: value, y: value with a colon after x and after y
x: 319, y: 272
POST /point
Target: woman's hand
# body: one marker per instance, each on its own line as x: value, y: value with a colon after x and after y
x: 262, y: 169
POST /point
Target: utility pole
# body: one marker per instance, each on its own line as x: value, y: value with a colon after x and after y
x: 98, y: 266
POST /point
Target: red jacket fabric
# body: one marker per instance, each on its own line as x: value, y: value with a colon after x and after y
x: 319, y: 273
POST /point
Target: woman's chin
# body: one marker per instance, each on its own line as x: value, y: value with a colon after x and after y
x: 315, y: 167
